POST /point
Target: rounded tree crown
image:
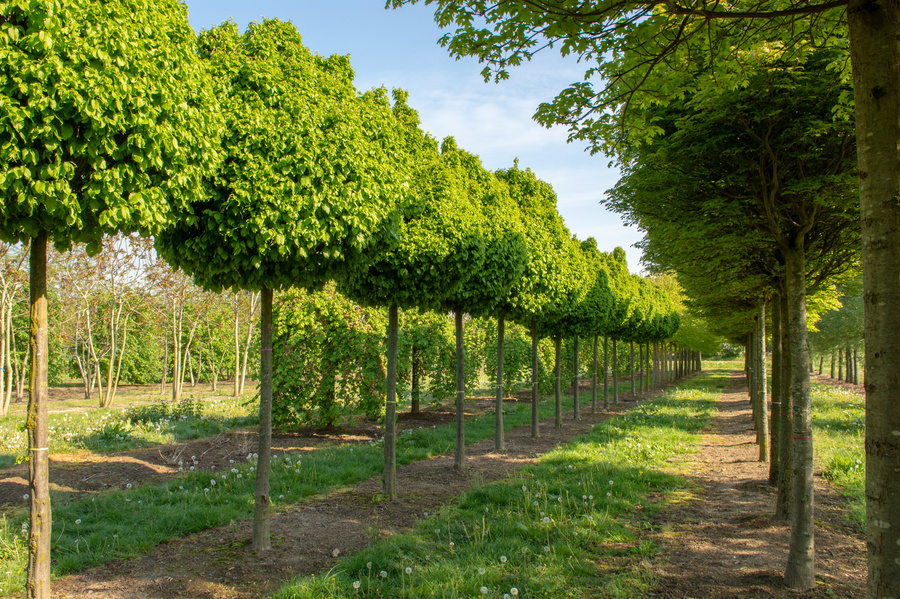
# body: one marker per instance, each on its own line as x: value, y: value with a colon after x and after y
x: 313, y: 171
x: 107, y: 119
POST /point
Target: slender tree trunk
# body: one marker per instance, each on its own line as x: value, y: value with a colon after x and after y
x: 840, y: 354
x: 821, y: 364
x: 594, y: 379
x: 254, y: 301
x: 576, y: 408
x: 498, y: 407
x: 414, y: 395
x: 615, y: 373
x: 176, y: 352
x: 262, y: 512
x: 237, y: 349
x: 557, y: 381
x: 762, y: 401
x: 800, y: 571
x: 855, y: 368
x: 777, y: 393
x: 832, y: 363
x: 37, y: 583
x: 631, y: 365
x: 460, y: 456
x: 390, y: 412
x: 605, y: 372
x: 786, y: 421
x: 20, y: 378
x: 165, y: 368
x: 641, y: 370
x: 535, y: 428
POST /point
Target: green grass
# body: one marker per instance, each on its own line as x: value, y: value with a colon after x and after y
x: 839, y: 422
x: 121, y: 524
x: 565, y: 527
x: 124, y: 428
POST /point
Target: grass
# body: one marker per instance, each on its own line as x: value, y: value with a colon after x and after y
x: 839, y: 422
x: 124, y: 428
x: 564, y: 527
x: 125, y: 523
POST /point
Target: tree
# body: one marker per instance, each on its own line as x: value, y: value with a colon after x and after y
x: 543, y: 282
x: 106, y: 125
x: 439, y: 245
x: 311, y: 176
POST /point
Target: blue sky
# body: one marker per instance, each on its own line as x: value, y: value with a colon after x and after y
x: 399, y: 48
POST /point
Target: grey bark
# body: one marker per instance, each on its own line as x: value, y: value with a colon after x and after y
x: 262, y: 510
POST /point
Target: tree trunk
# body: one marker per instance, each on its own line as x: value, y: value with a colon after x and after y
x: 37, y: 583
x: 615, y: 373
x: 605, y: 372
x: 390, y: 411
x: 762, y: 401
x: 576, y: 408
x: 785, y: 422
x: 777, y: 393
x: 855, y: 368
x: 821, y: 364
x: 594, y: 379
x: 641, y: 368
x: 875, y: 60
x: 237, y: 348
x: 800, y: 571
x: 535, y: 428
x: 498, y: 407
x: 460, y: 457
x: 633, y: 386
x: 840, y: 354
x: 414, y: 395
x: 165, y: 368
x: 832, y: 364
x: 557, y: 381
x: 176, y: 352
x: 262, y: 512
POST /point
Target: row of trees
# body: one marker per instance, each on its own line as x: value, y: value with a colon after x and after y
x: 643, y: 61
x: 258, y: 166
x: 759, y: 181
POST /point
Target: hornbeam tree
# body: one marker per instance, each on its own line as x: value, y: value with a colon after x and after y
x: 312, y: 174
x: 440, y: 243
x: 484, y: 289
x: 542, y: 284
x: 106, y: 125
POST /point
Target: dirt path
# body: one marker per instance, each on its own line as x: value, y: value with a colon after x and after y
x: 219, y: 563
x: 725, y: 543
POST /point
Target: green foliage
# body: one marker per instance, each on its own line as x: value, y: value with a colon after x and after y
x: 328, y: 359
x: 543, y: 282
x: 106, y: 119
x: 312, y: 170
x: 842, y: 327
x: 741, y: 176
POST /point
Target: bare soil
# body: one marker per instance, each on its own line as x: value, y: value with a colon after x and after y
x: 724, y: 543
x: 719, y: 542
